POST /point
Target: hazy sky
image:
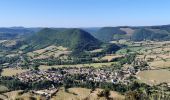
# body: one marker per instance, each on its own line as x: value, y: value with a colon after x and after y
x: 83, y: 13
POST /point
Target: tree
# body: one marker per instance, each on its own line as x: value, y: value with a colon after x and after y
x: 132, y: 95
x: 105, y: 93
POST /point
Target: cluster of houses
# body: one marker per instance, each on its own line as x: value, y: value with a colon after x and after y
x: 89, y: 73
x: 48, y: 93
x: 37, y: 76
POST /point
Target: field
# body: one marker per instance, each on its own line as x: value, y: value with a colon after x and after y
x: 1, y: 41
x: 12, y: 71
x: 71, y: 94
x: 154, y: 77
x: 44, y: 67
x: 157, y: 56
x: 48, y: 52
x: 3, y: 88
x: 82, y: 93
x: 19, y: 95
x: 96, y: 50
x: 111, y: 57
x: 160, y: 64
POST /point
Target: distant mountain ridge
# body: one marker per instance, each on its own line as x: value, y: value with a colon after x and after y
x: 156, y: 33
x: 105, y: 34
x: 16, y: 32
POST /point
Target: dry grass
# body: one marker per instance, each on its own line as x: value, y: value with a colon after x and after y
x: 48, y: 52
x: 72, y: 94
x: 160, y: 64
x: 96, y: 50
x: 14, y: 95
x: 129, y: 31
x: 111, y: 57
x: 1, y: 41
x: 84, y: 94
x: 3, y: 88
x: 60, y: 48
x: 153, y: 77
x: 9, y: 43
x: 44, y: 67
x: 12, y: 71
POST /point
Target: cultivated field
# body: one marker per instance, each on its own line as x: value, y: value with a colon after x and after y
x: 96, y: 50
x: 154, y: 77
x: 111, y: 57
x: 12, y: 71
x: 160, y: 64
x: 48, y: 52
x: 1, y: 41
x: 44, y: 67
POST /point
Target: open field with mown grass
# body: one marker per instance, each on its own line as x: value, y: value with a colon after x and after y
x: 48, y: 52
x: 70, y: 94
x: 160, y: 64
x: 12, y: 71
x: 44, y: 67
x: 3, y: 88
x: 111, y: 57
x: 84, y: 94
x: 154, y: 77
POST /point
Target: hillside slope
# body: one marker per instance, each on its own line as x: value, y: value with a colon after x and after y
x: 74, y: 39
x: 14, y: 33
x: 109, y: 33
x: 155, y: 33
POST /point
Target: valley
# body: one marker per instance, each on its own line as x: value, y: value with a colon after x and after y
x: 55, y: 63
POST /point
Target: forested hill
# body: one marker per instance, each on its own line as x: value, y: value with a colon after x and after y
x: 74, y: 39
x: 156, y: 33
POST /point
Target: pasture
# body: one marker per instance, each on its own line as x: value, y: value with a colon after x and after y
x: 153, y: 77
x: 71, y: 94
x: 111, y: 57
x: 3, y: 88
x: 83, y: 94
x: 44, y: 67
x: 48, y: 52
x: 20, y: 95
x: 12, y: 71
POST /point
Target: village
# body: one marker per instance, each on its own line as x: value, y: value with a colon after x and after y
x: 57, y: 75
x: 92, y: 74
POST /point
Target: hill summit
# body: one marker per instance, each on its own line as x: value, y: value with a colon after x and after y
x: 74, y: 39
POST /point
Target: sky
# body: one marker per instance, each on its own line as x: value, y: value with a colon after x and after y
x: 83, y: 13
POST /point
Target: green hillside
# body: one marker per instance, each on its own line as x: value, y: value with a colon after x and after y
x: 150, y: 34
x: 155, y: 33
x: 74, y: 39
x: 14, y: 33
x: 109, y: 33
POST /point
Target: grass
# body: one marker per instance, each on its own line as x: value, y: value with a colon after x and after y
x: 15, y: 95
x: 48, y: 52
x: 83, y: 94
x: 3, y: 88
x: 12, y: 71
x: 23, y: 47
x: 44, y: 67
x: 160, y: 64
x: 71, y: 94
x: 110, y: 57
x: 154, y: 77
x: 96, y: 50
